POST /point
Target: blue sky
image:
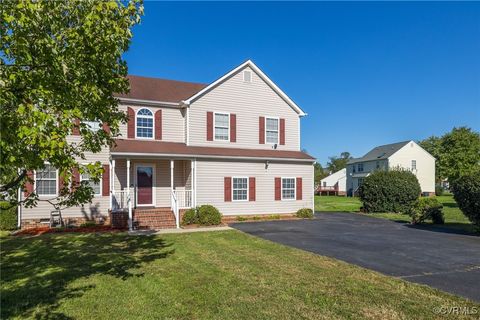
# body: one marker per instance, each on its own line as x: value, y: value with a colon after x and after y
x: 366, y: 73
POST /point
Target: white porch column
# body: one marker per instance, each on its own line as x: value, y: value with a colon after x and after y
x: 112, y: 182
x: 129, y: 199
x: 194, y: 182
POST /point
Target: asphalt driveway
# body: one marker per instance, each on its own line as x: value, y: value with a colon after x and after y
x: 450, y: 262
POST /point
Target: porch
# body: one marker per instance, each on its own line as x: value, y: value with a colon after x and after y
x: 152, y: 191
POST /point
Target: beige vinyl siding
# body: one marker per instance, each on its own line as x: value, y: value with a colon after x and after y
x: 173, y: 122
x: 210, y: 186
x: 248, y: 101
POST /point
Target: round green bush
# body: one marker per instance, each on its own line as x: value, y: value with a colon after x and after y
x: 466, y: 192
x: 8, y: 216
x: 208, y: 215
x: 305, y: 213
x: 389, y: 191
x: 427, y: 208
x: 190, y: 216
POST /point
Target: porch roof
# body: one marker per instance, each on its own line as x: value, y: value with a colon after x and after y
x: 159, y: 148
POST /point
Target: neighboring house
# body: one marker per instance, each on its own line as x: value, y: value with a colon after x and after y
x: 407, y: 155
x: 234, y: 144
x: 336, y: 183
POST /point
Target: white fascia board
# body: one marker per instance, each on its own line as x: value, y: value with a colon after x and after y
x: 150, y: 102
x: 262, y: 75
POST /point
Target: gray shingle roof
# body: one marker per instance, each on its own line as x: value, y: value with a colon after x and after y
x: 381, y: 152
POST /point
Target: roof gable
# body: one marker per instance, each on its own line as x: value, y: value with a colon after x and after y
x: 259, y: 72
x: 381, y: 152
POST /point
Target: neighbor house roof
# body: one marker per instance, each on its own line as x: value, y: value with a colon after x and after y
x: 162, y: 90
x: 175, y: 149
x: 380, y: 152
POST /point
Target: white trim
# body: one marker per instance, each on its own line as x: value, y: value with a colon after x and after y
x: 35, y: 184
x: 150, y: 102
x: 278, y: 131
x: 294, y: 188
x: 248, y: 188
x: 189, y: 156
x: 214, y: 125
x: 259, y: 72
x: 154, y: 202
x: 187, y: 129
x: 153, y: 124
x: 194, y: 183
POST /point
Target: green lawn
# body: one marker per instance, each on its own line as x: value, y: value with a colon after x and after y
x: 454, y: 218
x: 214, y: 275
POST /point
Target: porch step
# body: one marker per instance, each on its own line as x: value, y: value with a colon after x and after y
x: 155, y: 218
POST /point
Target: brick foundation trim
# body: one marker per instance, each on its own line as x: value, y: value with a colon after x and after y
x: 68, y: 221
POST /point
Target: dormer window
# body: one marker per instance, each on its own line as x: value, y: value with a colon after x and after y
x: 144, y: 124
x: 247, y: 76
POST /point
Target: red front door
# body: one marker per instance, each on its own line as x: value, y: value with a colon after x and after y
x: 144, y: 185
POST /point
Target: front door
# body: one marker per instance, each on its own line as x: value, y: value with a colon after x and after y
x: 144, y: 185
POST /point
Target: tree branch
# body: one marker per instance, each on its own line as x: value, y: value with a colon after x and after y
x: 13, y: 183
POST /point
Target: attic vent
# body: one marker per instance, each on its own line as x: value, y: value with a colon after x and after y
x: 247, y: 76
x: 411, y: 144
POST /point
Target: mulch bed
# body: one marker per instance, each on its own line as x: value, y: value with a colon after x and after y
x: 42, y: 230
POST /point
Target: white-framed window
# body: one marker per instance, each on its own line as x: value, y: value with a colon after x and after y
x: 353, y: 168
x: 360, y: 167
x: 288, y: 188
x: 96, y: 186
x: 144, y: 123
x: 46, y: 181
x: 240, y: 189
x: 271, y: 130
x: 93, y: 125
x: 222, y: 126
x: 378, y: 164
x: 414, y: 165
x: 247, y: 76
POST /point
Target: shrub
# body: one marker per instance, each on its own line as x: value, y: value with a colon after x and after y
x: 466, y: 192
x: 8, y: 216
x: 209, y: 215
x: 190, y: 216
x: 305, y: 213
x: 88, y: 224
x: 427, y: 208
x: 439, y: 190
x: 256, y: 218
x: 389, y: 191
x: 240, y: 218
x: 274, y: 217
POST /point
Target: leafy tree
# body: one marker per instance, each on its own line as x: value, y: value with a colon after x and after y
x: 337, y: 163
x: 60, y: 61
x: 320, y: 173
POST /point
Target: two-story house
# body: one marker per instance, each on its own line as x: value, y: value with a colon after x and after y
x: 234, y: 144
x: 406, y: 155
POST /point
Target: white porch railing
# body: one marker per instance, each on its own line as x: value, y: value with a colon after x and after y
x: 120, y: 200
x: 184, y: 198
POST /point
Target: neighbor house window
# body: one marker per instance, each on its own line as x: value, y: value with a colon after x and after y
x: 222, y: 125
x: 360, y: 167
x: 353, y: 168
x: 46, y: 181
x: 414, y: 165
x: 240, y: 189
x: 360, y: 181
x: 145, y: 123
x: 271, y: 131
x: 94, y: 185
x: 288, y: 188
x: 378, y: 164
x: 92, y: 125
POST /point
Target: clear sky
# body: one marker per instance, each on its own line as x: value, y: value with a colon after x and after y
x: 366, y: 73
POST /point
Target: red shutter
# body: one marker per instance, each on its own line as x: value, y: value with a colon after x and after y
x: 131, y: 123
x: 233, y: 128
x: 158, y: 125
x: 282, y: 132
x: 106, y: 180
x: 299, y: 188
x: 251, y: 189
x: 278, y: 188
x: 28, y: 184
x: 76, y: 127
x: 228, y: 189
x: 75, y: 178
x: 209, y: 126
x: 61, y: 183
x: 106, y: 128
x: 261, y: 130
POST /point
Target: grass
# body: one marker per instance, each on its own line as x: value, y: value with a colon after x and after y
x: 214, y: 275
x: 454, y: 218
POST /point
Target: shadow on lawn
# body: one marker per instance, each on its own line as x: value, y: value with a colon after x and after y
x: 448, y: 227
x: 37, y: 272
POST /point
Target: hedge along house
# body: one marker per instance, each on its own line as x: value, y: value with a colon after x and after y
x: 234, y: 144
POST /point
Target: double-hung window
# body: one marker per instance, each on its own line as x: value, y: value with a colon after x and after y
x: 271, y: 130
x: 414, y: 165
x: 288, y: 188
x: 46, y: 181
x: 360, y: 167
x: 240, y: 189
x: 94, y: 185
x: 222, y: 126
x: 145, y: 123
x: 93, y: 125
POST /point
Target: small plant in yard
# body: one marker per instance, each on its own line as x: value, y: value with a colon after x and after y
x: 240, y: 218
x: 88, y: 224
x: 305, y: 213
x: 427, y: 208
x: 8, y: 216
x: 256, y: 218
x: 389, y: 191
x: 466, y: 191
x: 209, y: 215
x: 274, y: 217
x: 190, y: 216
